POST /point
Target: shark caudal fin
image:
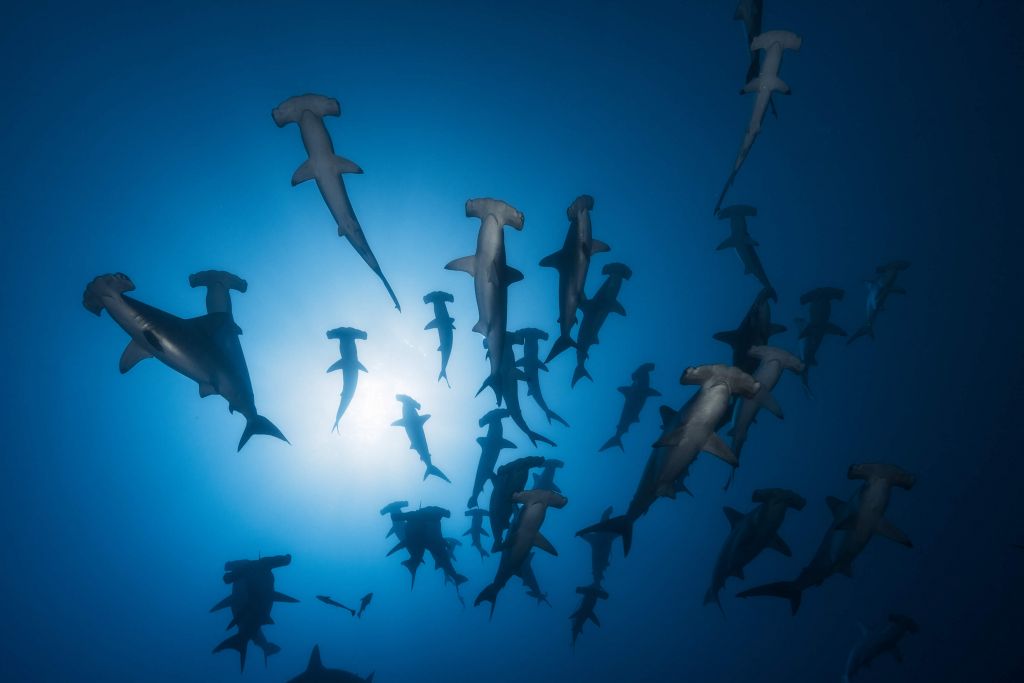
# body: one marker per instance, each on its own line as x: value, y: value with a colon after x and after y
x: 236, y: 642
x: 488, y: 594
x: 712, y: 597
x: 444, y: 375
x: 579, y: 373
x: 260, y: 425
x: 867, y: 329
x: 614, y: 441
x: 561, y: 344
x: 432, y: 470
x: 621, y: 525
x: 781, y: 589
x: 552, y: 415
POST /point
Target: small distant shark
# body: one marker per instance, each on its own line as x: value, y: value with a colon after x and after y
x: 325, y: 167
x: 572, y: 262
x: 531, y: 365
x: 600, y: 549
x: 445, y: 326
x: 755, y: 329
x: 205, y: 349
x: 595, y: 312
x: 879, y: 289
x: 636, y: 396
x: 854, y: 523
x: 751, y: 12
x: 364, y: 602
x: 545, y: 479
x: 491, y: 278
x: 316, y: 672
x: 491, y: 446
x: 348, y: 364
x: 476, y: 530
x: 817, y: 324
x: 327, y: 600
x: 765, y: 85
x: 412, y: 421
x: 744, y: 244
x: 585, y: 612
x: 875, y: 643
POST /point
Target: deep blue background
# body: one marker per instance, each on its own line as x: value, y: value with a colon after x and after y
x: 139, y: 139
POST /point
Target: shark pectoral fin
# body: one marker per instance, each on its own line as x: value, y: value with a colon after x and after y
x: 398, y: 423
x: 303, y: 173
x: 776, y: 543
x: 505, y: 443
x: 544, y: 544
x: 769, y: 403
x: 835, y: 505
x: 718, y: 448
x: 511, y: 276
x: 617, y: 307
x: 226, y: 602
x: 206, y: 389
x: 667, y: 416
x: 832, y: 328
x: 481, y: 328
x: 522, y: 377
x: 466, y: 264
x: 736, y: 242
x: 424, y: 418
x: 432, y: 325
x: 734, y: 516
x: 888, y: 530
x: 342, y: 165
x: 132, y: 354
x: 360, y: 366
x: 338, y: 365
x: 598, y: 247
x: 593, y: 618
x: 553, y: 260
x: 653, y: 392
x: 624, y: 390
x: 281, y: 597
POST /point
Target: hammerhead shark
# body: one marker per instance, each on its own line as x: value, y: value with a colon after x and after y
x: 817, y: 324
x: 531, y: 365
x: 325, y: 167
x: 755, y: 329
x: 585, y: 612
x: 595, y: 313
x: 316, y: 672
x: 572, y: 262
x: 328, y: 600
x: 600, y: 549
x: 445, y: 326
x: 422, y: 535
x: 364, y: 602
x: 412, y: 421
x: 545, y: 479
x: 745, y: 245
x: 205, y: 349
x: 491, y: 446
x: 855, y: 522
x: 476, y: 530
x: 509, y: 480
x: 491, y: 277
x: 765, y: 85
x: 874, y: 643
x: 348, y: 364
x: 636, y: 396
x: 879, y: 289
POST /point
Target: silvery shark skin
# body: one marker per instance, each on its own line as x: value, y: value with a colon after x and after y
x: 685, y: 434
x: 750, y: 12
x: 636, y: 396
x: 205, y: 349
x: 510, y: 377
x: 750, y: 534
x: 316, y: 672
x: 879, y: 289
x: 325, y: 167
x: 572, y: 262
x: 423, y: 534
x: 875, y: 643
x: 476, y: 530
x: 855, y: 523
x: 817, y: 324
x: 412, y: 421
x: 585, y: 612
x: 348, y: 364
x: 545, y: 479
x: 595, y: 312
x: 745, y: 245
x: 755, y: 329
x: 765, y: 85
x: 526, y: 535
x: 328, y: 600
x: 773, y: 362
x: 508, y: 480
x: 444, y: 323
x: 491, y: 277
x: 251, y: 600
x: 364, y: 602
x: 600, y: 549
x: 531, y: 365
x: 491, y: 446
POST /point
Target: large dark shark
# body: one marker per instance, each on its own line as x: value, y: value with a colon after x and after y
x: 510, y: 377
x: 585, y: 612
x: 316, y: 672
x: 750, y: 534
x: 855, y: 522
x: 444, y: 323
x: 572, y: 262
x: 422, y: 535
x: 412, y: 422
x: 817, y: 324
x: 684, y: 436
x: 600, y: 549
x: 325, y: 167
x: 745, y: 245
x: 765, y: 85
x: 754, y: 330
x: 491, y: 277
x: 874, y: 643
x: 636, y: 396
x: 491, y: 446
x: 751, y: 13
x: 205, y: 349
x: 348, y: 364
x: 251, y: 599
x: 596, y: 311
x: 476, y: 530
x: 509, y: 480
x: 525, y: 536
x: 879, y: 289
x: 531, y: 365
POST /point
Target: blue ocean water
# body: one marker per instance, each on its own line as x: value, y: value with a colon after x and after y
x: 139, y: 139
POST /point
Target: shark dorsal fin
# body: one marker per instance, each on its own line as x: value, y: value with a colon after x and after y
x: 314, y: 660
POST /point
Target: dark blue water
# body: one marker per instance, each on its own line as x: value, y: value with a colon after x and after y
x: 139, y: 139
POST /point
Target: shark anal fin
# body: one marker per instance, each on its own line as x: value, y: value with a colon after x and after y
x: 133, y: 353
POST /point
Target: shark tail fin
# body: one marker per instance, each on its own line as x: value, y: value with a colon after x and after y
x: 552, y: 415
x: 236, y: 642
x: 444, y: 375
x: 867, y: 329
x: 712, y: 597
x: 494, y: 382
x: 614, y: 441
x: 621, y: 525
x: 260, y: 425
x: 488, y: 594
x: 433, y: 470
x: 579, y: 373
x: 781, y: 589
x: 561, y: 344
